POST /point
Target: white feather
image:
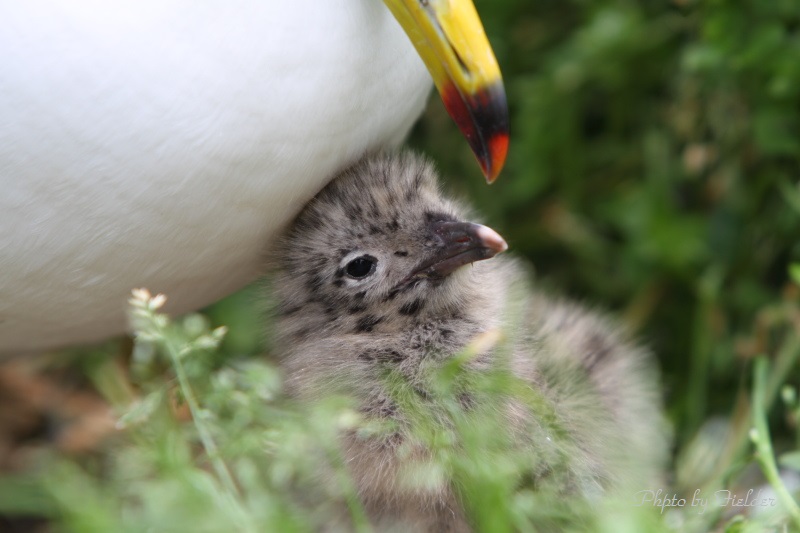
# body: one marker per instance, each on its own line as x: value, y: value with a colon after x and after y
x: 164, y: 143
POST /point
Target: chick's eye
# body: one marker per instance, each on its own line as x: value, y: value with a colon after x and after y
x: 361, y: 267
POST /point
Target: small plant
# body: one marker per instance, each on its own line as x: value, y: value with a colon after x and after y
x: 213, y: 444
x: 205, y: 448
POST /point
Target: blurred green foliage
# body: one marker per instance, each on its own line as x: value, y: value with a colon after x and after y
x: 210, y: 448
x: 214, y: 445
x: 653, y: 168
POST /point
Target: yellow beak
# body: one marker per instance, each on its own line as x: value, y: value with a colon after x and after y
x: 449, y: 37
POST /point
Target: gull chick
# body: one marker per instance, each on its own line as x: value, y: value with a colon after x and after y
x: 381, y: 271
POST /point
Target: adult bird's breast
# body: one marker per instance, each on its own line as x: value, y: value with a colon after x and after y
x: 161, y: 144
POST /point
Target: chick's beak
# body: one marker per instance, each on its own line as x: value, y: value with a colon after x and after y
x: 449, y: 38
x: 459, y: 244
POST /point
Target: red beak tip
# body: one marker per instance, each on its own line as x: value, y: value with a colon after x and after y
x: 498, y: 149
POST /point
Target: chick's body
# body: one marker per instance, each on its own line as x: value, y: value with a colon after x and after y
x: 380, y: 271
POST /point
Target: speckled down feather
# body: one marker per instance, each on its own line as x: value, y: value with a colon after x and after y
x: 336, y: 334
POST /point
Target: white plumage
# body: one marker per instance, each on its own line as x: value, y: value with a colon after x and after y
x: 163, y: 143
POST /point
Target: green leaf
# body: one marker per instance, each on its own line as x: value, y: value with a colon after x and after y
x: 794, y: 273
x: 142, y: 410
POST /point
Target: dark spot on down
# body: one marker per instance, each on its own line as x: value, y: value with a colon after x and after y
x: 357, y: 308
x: 390, y: 356
x: 466, y: 400
x: 401, y: 253
x: 391, y: 295
x: 315, y: 283
x: 335, y: 193
x: 373, y: 208
x: 288, y: 311
x: 366, y: 323
x: 318, y: 263
x: 312, y: 222
x: 382, y: 408
x: 412, y: 308
x: 301, y: 333
x: 597, y: 350
x: 422, y: 393
x: 360, y: 295
x: 433, y: 216
x: 387, y: 410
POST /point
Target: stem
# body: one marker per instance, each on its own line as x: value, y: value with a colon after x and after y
x: 205, y: 435
x: 761, y: 438
x: 784, y: 362
x: 736, y: 445
x: 702, y: 346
